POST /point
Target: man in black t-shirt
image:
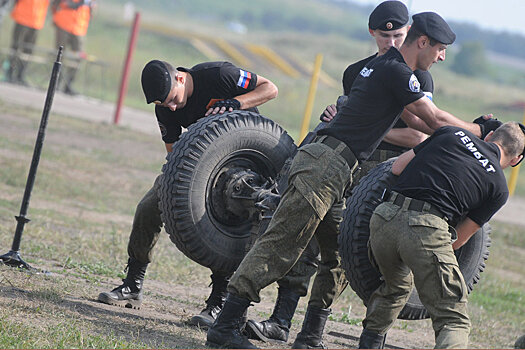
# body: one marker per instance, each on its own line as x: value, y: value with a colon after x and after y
x: 452, y: 177
x: 388, y: 24
x: 322, y: 170
x: 181, y: 97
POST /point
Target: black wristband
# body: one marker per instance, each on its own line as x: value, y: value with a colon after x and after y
x: 483, y: 134
x: 229, y: 103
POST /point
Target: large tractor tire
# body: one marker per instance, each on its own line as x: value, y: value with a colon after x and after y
x: 362, y: 276
x: 205, y: 205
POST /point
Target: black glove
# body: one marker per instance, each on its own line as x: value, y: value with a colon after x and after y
x: 229, y: 103
x: 487, y: 125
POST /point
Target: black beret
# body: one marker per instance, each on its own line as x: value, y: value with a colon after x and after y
x: 388, y: 15
x: 156, y: 81
x: 434, y: 26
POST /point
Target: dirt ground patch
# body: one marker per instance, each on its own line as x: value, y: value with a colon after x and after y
x: 163, y: 318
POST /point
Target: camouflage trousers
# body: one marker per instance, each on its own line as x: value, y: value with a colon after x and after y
x: 146, y: 226
x: 318, y: 178
x: 73, y: 45
x: 416, y: 247
x: 22, y: 45
x: 298, y: 278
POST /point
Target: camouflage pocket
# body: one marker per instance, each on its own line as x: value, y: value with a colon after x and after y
x: 430, y: 230
x: 428, y: 220
x: 453, y: 284
x: 386, y: 210
x: 313, y: 150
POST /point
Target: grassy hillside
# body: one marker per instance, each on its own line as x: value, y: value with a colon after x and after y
x: 345, y: 18
x: 108, y: 36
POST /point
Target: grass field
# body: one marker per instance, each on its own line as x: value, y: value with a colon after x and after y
x: 91, y: 177
x: 89, y: 180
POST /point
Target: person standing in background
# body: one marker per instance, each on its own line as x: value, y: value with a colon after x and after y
x: 29, y: 17
x: 71, y: 19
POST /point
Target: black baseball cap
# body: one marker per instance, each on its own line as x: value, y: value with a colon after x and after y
x: 434, y: 26
x: 388, y: 15
x: 156, y: 81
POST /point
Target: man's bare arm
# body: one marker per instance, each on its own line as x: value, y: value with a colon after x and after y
x: 465, y: 229
x: 402, y: 161
x: 264, y: 91
x: 436, y: 118
x: 405, y: 137
x: 416, y: 123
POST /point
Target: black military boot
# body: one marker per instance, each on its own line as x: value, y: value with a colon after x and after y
x: 129, y: 294
x: 371, y: 340
x: 214, y: 303
x: 311, y: 335
x: 20, y: 79
x: 277, y: 327
x: 9, y: 74
x: 226, y: 332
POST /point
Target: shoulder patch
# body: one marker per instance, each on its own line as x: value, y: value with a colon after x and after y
x: 413, y: 84
x: 244, y: 78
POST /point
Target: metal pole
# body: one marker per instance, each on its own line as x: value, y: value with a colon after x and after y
x: 127, y: 64
x: 13, y: 257
x: 311, y: 96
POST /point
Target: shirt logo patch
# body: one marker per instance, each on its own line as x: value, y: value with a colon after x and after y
x: 413, y: 83
x: 477, y: 154
x: 244, y: 79
x: 365, y: 72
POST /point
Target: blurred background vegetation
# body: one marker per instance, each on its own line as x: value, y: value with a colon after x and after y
x: 484, y: 71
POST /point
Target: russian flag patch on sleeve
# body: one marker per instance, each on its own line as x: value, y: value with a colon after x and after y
x: 244, y: 79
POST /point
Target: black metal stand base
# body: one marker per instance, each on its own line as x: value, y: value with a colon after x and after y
x: 14, y: 259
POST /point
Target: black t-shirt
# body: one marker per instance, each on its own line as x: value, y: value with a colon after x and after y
x: 458, y: 173
x: 377, y: 97
x: 426, y: 85
x: 212, y: 82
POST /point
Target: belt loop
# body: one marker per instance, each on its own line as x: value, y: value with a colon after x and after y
x: 320, y: 138
x: 393, y: 196
x: 426, y: 206
x: 339, y: 149
x: 383, y: 155
x: 406, y: 203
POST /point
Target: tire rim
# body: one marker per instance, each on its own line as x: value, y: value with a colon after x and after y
x: 233, y: 216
